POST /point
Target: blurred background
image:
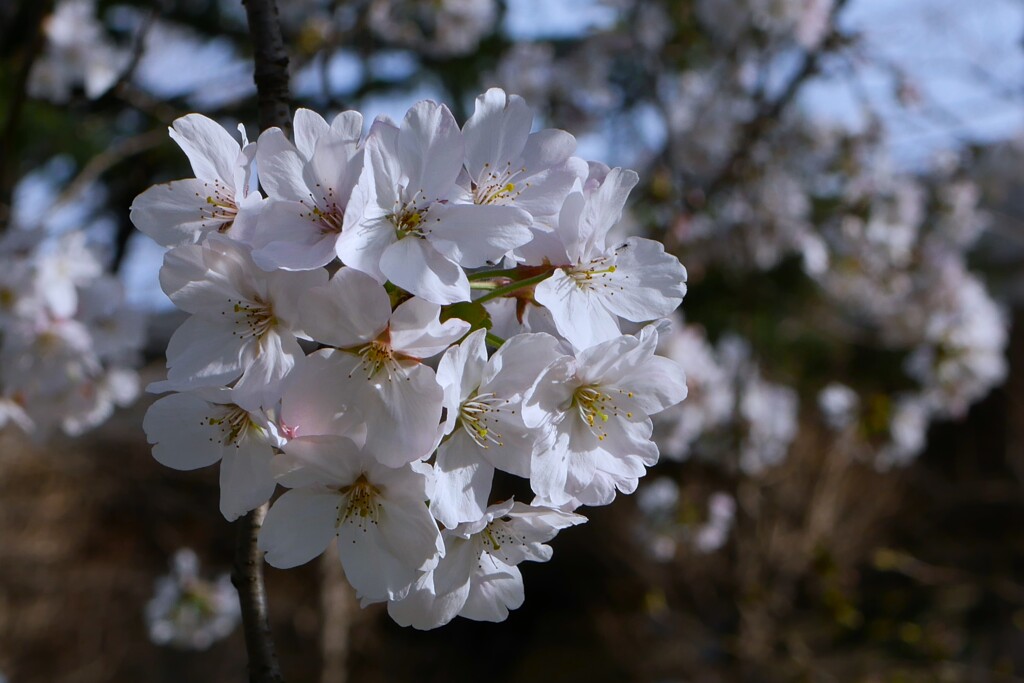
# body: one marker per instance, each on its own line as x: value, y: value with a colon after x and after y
x: 841, y: 496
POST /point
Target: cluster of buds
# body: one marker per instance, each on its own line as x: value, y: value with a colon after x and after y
x: 394, y: 320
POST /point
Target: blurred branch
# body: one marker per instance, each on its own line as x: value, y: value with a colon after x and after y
x: 769, y: 114
x: 271, y: 74
x: 248, y: 579
x: 33, y: 16
x: 110, y: 157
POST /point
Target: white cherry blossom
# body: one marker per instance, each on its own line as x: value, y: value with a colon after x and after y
x: 379, y: 515
x: 308, y: 186
x: 379, y: 364
x: 219, y: 199
x: 635, y: 279
x: 196, y: 429
x: 401, y: 225
x: 597, y: 406
x: 478, y: 578
x: 484, y: 426
x: 243, y: 322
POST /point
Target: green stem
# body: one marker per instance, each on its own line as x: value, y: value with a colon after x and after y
x: 494, y: 340
x: 483, y: 285
x: 512, y: 287
x: 486, y: 275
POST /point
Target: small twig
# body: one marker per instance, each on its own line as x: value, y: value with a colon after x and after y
x: 248, y: 579
x: 107, y: 159
x: 770, y: 112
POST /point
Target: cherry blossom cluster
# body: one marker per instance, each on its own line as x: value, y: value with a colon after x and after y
x: 69, y: 342
x: 732, y: 414
x: 188, y: 611
x: 393, y: 319
x: 669, y: 524
x: 78, y: 54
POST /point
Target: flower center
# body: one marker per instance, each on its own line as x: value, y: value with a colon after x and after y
x: 496, y: 187
x: 360, y: 506
x: 475, y: 415
x: 220, y: 206
x: 234, y: 424
x: 594, y: 407
x: 592, y: 274
x: 253, y: 319
x: 377, y: 356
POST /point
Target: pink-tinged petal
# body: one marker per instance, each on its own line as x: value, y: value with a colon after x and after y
x: 473, y: 235
x: 417, y: 331
x: 496, y: 132
x: 402, y: 409
x: 325, y: 460
x: 496, y: 589
x: 311, y: 404
x: 299, y: 526
x: 280, y: 167
x: 179, y: 428
x: 308, y: 127
x: 174, y: 213
x: 578, y: 313
x: 430, y: 150
x: 245, y: 478
x: 462, y: 481
x: 211, y: 150
x: 351, y: 310
x: 415, y: 266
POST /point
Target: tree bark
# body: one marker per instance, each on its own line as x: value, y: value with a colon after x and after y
x: 273, y: 97
x: 248, y: 579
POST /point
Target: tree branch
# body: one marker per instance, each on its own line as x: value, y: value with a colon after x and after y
x: 769, y: 114
x: 271, y: 75
x: 248, y: 580
x: 273, y: 95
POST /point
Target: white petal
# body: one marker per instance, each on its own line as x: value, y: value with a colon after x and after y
x: 474, y: 235
x: 178, y: 426
x: 174, y: 213
x: 415, y: 266
x: 245, y: 478
x: 299, y: 526
x: 462, y: 482
x: 578, y: 313
x: 430, y: 150
x: 496, y: 132
x: 211, y: 150
x: 308, y: 127
x: 495, y: 590
x: 352, y: 309
x: 417, y: 331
